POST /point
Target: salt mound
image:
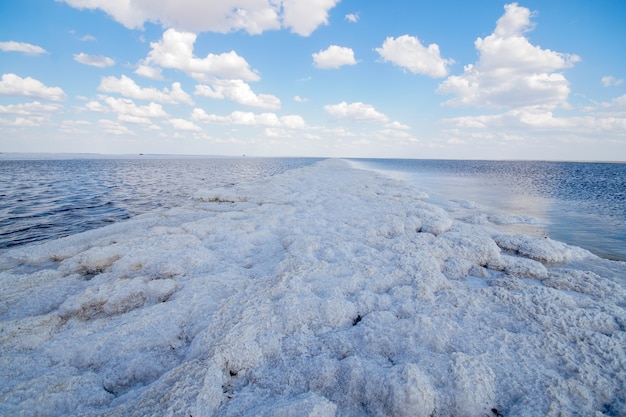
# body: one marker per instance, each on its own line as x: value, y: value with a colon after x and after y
x: 499, y: 219
x: 540, y: 249
x: 221, y: 195
x: 322, y: 291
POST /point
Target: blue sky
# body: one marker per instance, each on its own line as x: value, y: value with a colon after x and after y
x: 411, y: 79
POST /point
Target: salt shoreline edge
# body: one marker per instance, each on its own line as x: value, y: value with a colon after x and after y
x: 322, y: 291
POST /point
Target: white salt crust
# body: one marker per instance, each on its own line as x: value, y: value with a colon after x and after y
x: 323, y: 291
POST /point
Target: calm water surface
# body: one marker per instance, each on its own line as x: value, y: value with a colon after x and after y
x: 46, y: 199
x: 583, y: 204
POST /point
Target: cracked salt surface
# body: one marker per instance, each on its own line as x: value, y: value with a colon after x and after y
x: 321, y: 291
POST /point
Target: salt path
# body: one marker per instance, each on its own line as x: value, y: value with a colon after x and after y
x: 322, y: 291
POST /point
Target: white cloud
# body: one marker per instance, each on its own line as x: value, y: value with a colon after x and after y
x: 293, y: 122
x: 20, y: 122
x: 304, y: 16
x: 339, y: 131
x: 114, y: 128
x: 611, y: 81
x: 276, y: 132
x: 74, y: 126
x: 14, y: 85
x: 352, y: 17
x: 147, y: 71
x: 30, y: 109
x: 615, y: 107
x: 175, y: 51
x: 511, y: 72
x: 207, y: 91
x: 397, y: 125
x: 127, y: 118
x: 311, y: 136
x: 534, y: 121
x: 94, y: 60
x: 127, y: 87
x: 300, y: 99
x: 396, y: 134
x: 250, y: 119
x: 253, y: 16
x: 87, y: 38
x: 182, y: 124
x: 239, y: 92
x: 28, y: 114
x: 409, y: 53
x: 514, y: 22
x: 334, y: 57
x: 128, y: 107
x: 97, y: 107
x: 26, y: 48
x: 127, y: 111
x: 358, y: 112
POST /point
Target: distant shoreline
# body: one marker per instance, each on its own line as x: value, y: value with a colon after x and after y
x: 79, y: 155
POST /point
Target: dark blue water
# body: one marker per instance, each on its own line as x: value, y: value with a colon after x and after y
x: 581, y: 203
x: 47, y: 199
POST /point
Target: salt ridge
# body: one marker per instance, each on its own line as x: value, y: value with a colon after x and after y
x: 322, y: 291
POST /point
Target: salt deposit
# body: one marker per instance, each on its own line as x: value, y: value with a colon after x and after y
x: 323, y: 291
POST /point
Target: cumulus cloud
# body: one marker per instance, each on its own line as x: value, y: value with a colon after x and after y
x: 615, y: 107
x: 115, y: 128
x: 398, y: 126
x: 175, y: 51
x: 334, y: 57
x: 358, y: 112
x: 239, y: 92
x: 511, y: 72
x: 128, y: 88
x: 94, y: 60
x: 20, y: 122
x: 397, y: 135
x: 128, y: 118
x: 276, y: 132
x: 74, y: 127
x: 611, y: 81
x: 293, y: 121
x: 250, y: 119
x: 128, y: 107
x: 14, y: 85
x: 182, y: 124
x: 300, y: 99
x: 304, y: 16
x: 147, y: 71
x: 252, y: 16
x: 97, y: 107
x: 408, y: 52
x: 127, y: 112
x: 517, y: 122
x: 339, y: 131
x: 25, y: 48
x: 28, y: 114
x: 30, y: 109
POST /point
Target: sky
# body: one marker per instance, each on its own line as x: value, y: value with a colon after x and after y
x: 445, y: 79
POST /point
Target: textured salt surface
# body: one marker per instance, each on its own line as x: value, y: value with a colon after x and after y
x: 322, y: 291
